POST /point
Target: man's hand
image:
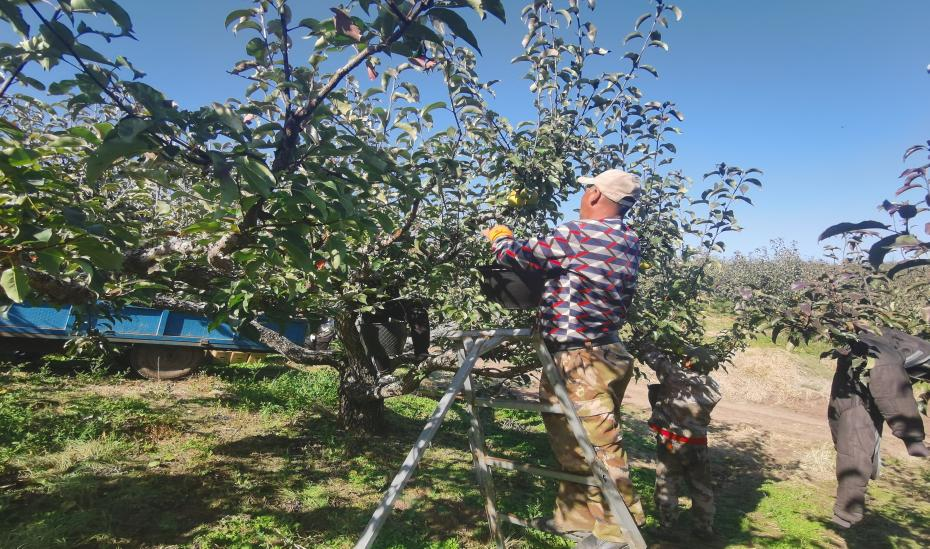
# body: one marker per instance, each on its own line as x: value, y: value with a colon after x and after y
x: 496, y: 232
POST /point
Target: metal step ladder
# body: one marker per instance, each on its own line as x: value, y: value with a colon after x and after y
x: 474, y: 345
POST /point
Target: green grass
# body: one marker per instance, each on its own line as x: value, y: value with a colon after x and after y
x: 277, y: 389
x: 39, y: 417
x: 250, y: 455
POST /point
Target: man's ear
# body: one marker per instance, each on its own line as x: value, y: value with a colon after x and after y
x: 595, y: 195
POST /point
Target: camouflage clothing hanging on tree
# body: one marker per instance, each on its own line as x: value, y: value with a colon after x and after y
x: 871, y: 386
x: 682, y: 402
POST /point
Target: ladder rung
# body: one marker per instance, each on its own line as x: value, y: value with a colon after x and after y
x: 511, y: 465
x: 538, y: 524
x: 513, y: 404
x: 514, y: 519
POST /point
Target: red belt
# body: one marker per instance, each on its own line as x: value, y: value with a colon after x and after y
x: 678, y: 438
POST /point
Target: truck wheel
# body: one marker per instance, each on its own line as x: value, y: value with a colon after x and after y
x: 164, y: 362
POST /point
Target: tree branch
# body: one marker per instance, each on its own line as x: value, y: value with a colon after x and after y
x: 285, y: 51
x: 393, y: 7
x: 176, y: 304
x: 193, y: 154
x: 408, y: 223
x: 294, y: 125
x: 140, y: 261
x: 60, y: 291
x: 218, y: 253
x: 12, y: 78
x: 291, y: 350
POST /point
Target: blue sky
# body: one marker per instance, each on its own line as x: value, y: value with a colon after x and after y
x: 823, y: 96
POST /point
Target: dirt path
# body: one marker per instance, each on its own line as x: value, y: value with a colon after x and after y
x: 779, y: 420
x: 771, y: 399
x: 804, y: 427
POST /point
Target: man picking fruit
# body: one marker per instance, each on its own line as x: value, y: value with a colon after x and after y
x: 591, y: 265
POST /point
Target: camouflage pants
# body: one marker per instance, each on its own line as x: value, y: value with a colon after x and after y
x: 596, y: 379
x: 679, y: 463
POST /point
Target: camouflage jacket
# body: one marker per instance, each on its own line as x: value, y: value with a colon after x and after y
x: 681, y: 402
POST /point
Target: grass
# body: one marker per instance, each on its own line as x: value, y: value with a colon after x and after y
x: 250, y: 455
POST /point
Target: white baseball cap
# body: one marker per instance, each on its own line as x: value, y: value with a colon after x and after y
x: 616, y: 185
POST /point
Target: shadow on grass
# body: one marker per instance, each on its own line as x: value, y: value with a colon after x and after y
x: 316, y: 485
x: 265, y: 475
x: 879, y: 531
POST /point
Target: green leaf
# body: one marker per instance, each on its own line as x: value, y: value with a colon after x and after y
x: 842, y: 228
x: 50, y: 259
x: 659, y: 44
x: 298, y: 250
x: 456, y: 24
x: 431, y: 107
x: 229, y: 191
x: 422, y: 32
x: 495, y: 8
x: 408, y: 128
x: 20, y: 157
x: 150, y: 98
x: 125, y: 140
x: 11, y: 130
x: 14, y: 15
x: 373, y: 160
x: 880, y: 249
x: 110, y: 7
x: 256, y: 47
x: 62, y: 87
x: 258, y: 177
x: 123, y: 62
x: 89, y: 54
x: 57, y: 35
x: 15, y: 284
x: 591, y: 31
x: 100, y: 254
x: 905, y: 265
x: 478, y: 6
x: 239, y: 14
x: 228, y: 117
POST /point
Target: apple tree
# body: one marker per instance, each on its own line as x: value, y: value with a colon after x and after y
x: 332, y: 184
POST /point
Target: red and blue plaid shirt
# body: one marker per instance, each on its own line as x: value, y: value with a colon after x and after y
x: 596, y: 262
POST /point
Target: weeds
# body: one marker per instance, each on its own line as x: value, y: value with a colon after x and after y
x: 276, y: 389
x: 35, y: 422
x: 245, y: 532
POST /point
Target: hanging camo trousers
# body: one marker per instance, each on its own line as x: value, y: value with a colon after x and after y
x: 596, y: 378
x: 678, y: 463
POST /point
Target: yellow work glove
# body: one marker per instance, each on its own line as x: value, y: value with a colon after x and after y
x: 499, y: 231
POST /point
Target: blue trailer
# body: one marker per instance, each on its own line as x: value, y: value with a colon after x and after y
x: 165, y: 344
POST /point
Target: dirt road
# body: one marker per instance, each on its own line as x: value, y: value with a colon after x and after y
x: 801, y: 428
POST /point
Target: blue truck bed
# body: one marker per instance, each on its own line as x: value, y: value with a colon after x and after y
x: 140, y: 325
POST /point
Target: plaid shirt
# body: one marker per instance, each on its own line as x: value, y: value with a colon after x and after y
x: 597, y: 263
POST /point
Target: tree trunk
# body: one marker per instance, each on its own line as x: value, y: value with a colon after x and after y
x: 357, y: 375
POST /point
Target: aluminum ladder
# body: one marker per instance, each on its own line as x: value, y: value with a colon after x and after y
x: 474, y: 344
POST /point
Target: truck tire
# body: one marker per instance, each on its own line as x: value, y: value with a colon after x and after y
x: 162, y: 362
